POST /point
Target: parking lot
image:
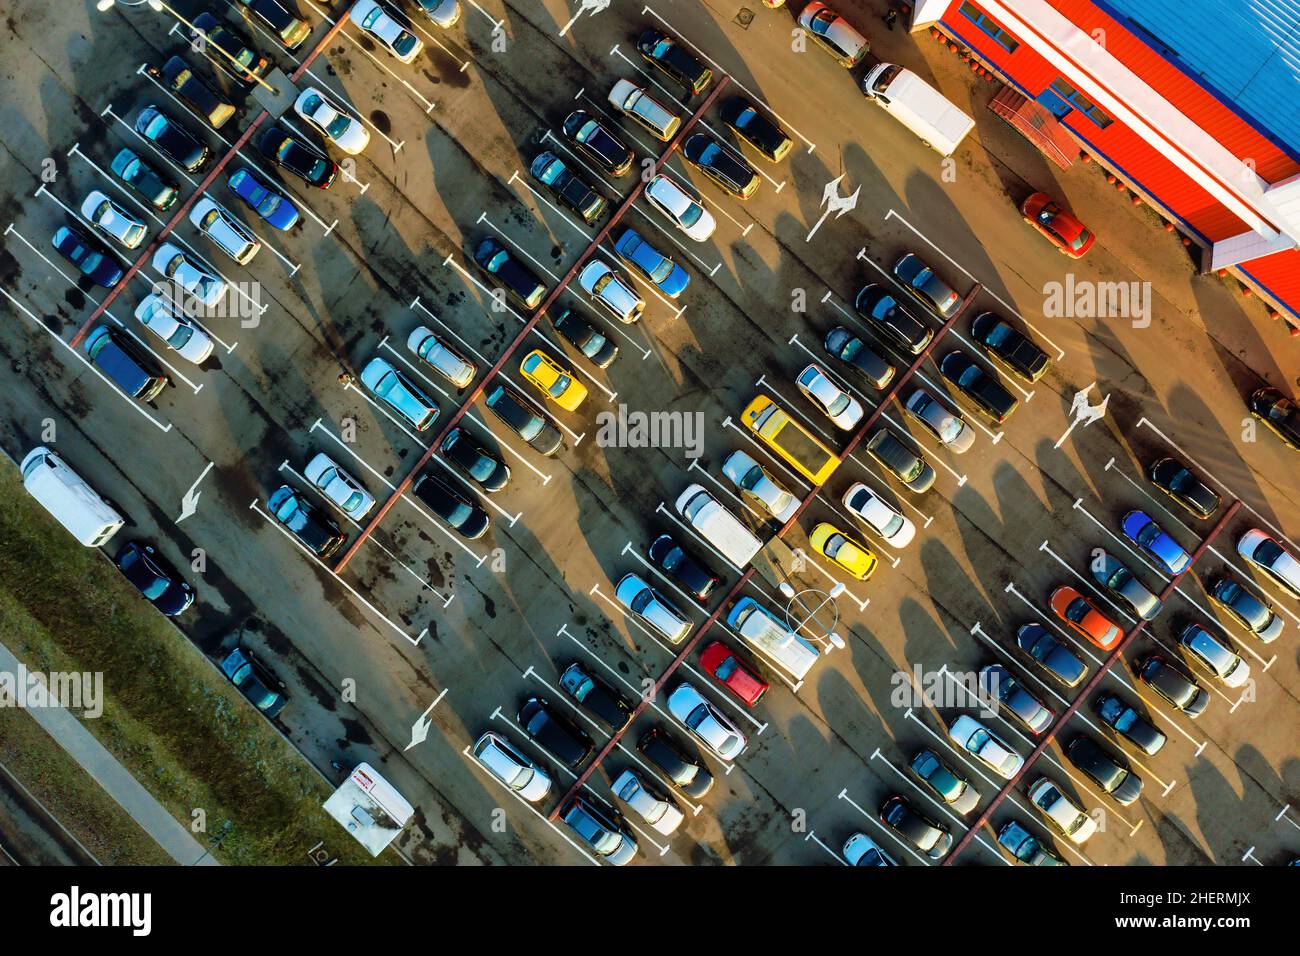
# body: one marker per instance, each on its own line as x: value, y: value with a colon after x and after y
x: 411, y: 619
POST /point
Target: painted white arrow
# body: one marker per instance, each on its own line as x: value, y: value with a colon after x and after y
x: 420, y: 729
x: 190, y: 501
x: 592, y: 7
x: 1084, y: 412
x: 834, y: 203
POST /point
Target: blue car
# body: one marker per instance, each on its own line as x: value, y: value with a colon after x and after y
x: 668, y: 276
x: 263, y: 200
x: 1151, y: 538
x: 91, y: 261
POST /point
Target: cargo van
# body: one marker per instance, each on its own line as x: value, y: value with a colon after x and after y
x: 918, y: 106
x: 65, y: 495
x: 768, y: 635
x: 785, y: 436
x: 717, y: 525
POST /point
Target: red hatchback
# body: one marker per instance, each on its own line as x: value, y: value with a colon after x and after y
x: 728, y: 670
x: 1059, y: 225
x: 1078, y: 612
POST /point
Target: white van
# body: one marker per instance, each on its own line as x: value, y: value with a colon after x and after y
x: 717, y: 525
x: 64, y: 494
x: 768, y: 635
x: 918, y: 106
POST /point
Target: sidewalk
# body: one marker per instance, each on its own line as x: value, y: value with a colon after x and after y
x: 117, y: 782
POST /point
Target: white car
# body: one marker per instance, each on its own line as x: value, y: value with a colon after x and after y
x: 611, y: 291
x: 861, y: 850
x: 661, y: 813
x: 388, y: 27
x: 440, y: 356
x: 685, y: 211
x: 1061, y: 811
x: 878, y: 515
x: 840, y: 407
x: 445, y: 13
x: 338, y: 486
x: 632, y: 100
x: 163, y: 318
x: 977, y: 740
x: 500, y: 758
x: 651, y: 606
x: 342, y: 129
x: 113, y: 219
x: 753, y: 480
x: 229, y: 234
x: 1272, y: 559
x: 708, y: 725
x: 173, y: 264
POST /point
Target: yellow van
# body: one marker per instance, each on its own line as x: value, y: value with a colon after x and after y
x: 785, y: 436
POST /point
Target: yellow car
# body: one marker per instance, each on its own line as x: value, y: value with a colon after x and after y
x: 854, y: 558
x: 556, y: 382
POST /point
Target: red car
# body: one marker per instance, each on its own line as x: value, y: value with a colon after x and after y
x: 729, y: 671
x: 1059, y: 225
x: 1078, y: 612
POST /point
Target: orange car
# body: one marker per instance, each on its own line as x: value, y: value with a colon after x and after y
x: 1078, y: 612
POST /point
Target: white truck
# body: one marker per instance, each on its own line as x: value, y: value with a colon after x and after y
x: 918, y: 106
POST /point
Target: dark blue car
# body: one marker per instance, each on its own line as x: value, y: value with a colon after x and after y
x: 668, y: 276
x: 87, y: 255
x: 254, y: 681
x: 263, y: 200
x: 1151, y: 538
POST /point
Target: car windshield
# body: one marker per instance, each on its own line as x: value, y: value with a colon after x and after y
x: 999, y: 336
x: 949, y: 428
x: 339, y: 126
x: 691, y: 214
x: 1148, y: 534
x: 1079, y: 609
x: 726, y: 668
x: 978, y: 741
x: 183, y: 334
x: 561, y: 386
x: 371, y: 18
x: 288, y: 510
x: 498, y: 260
x: 1268, y: 552
x: 838, y: 404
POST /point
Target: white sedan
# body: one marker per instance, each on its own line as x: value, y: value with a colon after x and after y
x: 164, y: 319
x: 113, y: 219
x: 660, y: 812
x: 344, y: 131
x: 879, y: 515
x: 977, y: 740
x: 840, y: 407
x: 718, y: 734
x: 388, y: 27
x: 750, y: 477
x: 170, y: 262
x: 338, y: 486
x: 685, y: 211
x: 229, y: 234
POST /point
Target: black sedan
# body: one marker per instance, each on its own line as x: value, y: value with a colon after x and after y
x: 1177, y: 481
x: 172, y: 138
x: 304, y: 161
x: 924, y: 283
x: 1173, y: 684
x: 178, y: 76
x: 464, y: 515
x: 990, y: 397
x: 756, y: 129
x: 1246, y: 609
x: 851, y: 350
x: 597, y: 143
x: 596, y: 696
x: 884, y: 313
x: 583, y: 336
x: 1008, y: 345
x: 673, y: 60
x: 1279, y: 413
x: 931, y: 838
x: 1050, y: 654
x: 568, y: 188
x: 309, y: 523
x: 519, y: 281
x: 998, y: 684
x: 727, y: 169
x: 236, y: 47
x: 686, y: 773
x: 157, y: 580
x: 462, y: 450
x: 1129, y: 724
x: 553, y: 732
x: 254, y: 681
x: 144, y: 179
x: 1109, y: 771
x: 520, y: 416
x: 684, y: 569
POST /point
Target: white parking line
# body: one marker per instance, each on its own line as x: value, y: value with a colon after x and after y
x: 812, y: 835
x: 1163, y: 575
x: 428, y: 103
x: 844, y: 795
x: 464, y: 64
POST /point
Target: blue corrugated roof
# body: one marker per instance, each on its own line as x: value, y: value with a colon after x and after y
x: 1247, y: 51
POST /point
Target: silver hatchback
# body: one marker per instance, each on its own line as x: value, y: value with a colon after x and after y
x: 441, y: 357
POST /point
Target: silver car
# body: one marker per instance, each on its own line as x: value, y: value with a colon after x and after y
x: 661, y: 813
x: 752, y: 480
x: 1271, y: 558
x: 113, y: 219
x: 500, y: 758
x: 718, y: 734
x: 632, y: 100
x: 163, y: 318
x: 229, y: 234
x: 611, y: 291
x: 651, y: 606
x: 441, y: 357
x: 445, y: 13
x: 861, y: 850
x: 948, y: 427
x: 171, y: 263
x: 839, y: 406
x: 1115, y: 577
x: 878, y: 515
x: 338, y: 486
x: 399, y: 393
x: 686, y: 212
x: 973, y: 737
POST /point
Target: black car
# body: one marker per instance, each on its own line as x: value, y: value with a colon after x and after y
x: 1128, y: 723
x: 464, y: 515
x: 596, y: 696
x: 178, y: 76
x: 1177, y: 481
x: 462, y: 450
x: 1050, y: 654
x: 720, y: 164
x: 1173, y: 684
x: 254, y: 681
x: 686, y: 773
x: 157, y: 580
x: 596, y: 142
x: 517, y: 279
x: 290, y: 29
x: 309, y: 523
x: 1279, y: 413
x: 1246, y: 609
x: 756, y: 129
x: 135, y: 172
x: 235, y: 46
x: 672, y: 59
x: 553, y: 732
x: 1009, y: 346
x: 1013, y: 699
x: 568, y: 187
x: 851, y: 350
x: 990, y: 397
x: 924, y: 283
x: 124, y: 363
x: 594, y: 344
x: 689, y: 573
x: 172, y: 139
x: 887, y: 316
x: 1114, y: 576
x: 528, y: 424
x: 1109, y: 771
x: 304, y: 161
x: 931, y: 838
